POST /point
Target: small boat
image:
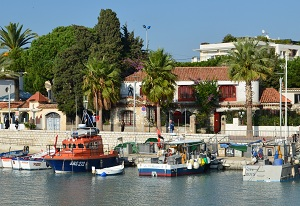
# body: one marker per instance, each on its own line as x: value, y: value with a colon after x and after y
x: 80, y: 152
x: 183, y: 157
x: 6, y: 157
x: 115, y: 170
x: 277, y: 168
x: 32, y: 162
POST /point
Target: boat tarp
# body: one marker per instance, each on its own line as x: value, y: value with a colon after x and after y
x: 151, y: 140
x: 124, y: 145
x: 240, y: 147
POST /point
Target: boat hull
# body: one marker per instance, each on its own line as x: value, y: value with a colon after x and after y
x: 6, y: 162
x: 38, y: 164
x: 116, y: 170
x: 166, y: 170
x: 81, y: 165
x: 270, y: 173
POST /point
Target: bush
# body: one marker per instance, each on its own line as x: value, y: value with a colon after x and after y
x: 30, y: 126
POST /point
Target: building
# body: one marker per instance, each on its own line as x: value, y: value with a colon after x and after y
x: 209, y: 51
x: 183, y: 106
x: 36, y: 110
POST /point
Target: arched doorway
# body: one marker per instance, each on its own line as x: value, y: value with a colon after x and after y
x: 52, y: 121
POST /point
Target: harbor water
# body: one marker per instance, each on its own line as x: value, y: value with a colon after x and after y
x: 213, y: 188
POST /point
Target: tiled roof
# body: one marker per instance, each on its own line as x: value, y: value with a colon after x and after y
x: 48, y: 106
x: 190, y: 74
x: 38, y: 97
x: 271, y: 95
x: 14, y: 104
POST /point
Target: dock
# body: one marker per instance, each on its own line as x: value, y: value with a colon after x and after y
x: 229, y: 163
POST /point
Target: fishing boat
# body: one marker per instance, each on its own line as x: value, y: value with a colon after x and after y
x: 266, y: 167
x: 6, y: 157
x: 32, y: 162
x: 115, y: 170
x: 176, y: 158
x: 80, y: 152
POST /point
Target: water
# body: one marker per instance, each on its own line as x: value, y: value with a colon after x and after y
x: 214, y: 188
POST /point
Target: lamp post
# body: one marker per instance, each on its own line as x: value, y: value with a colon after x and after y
x: 241, y: 114
x: 134, y: 106
x: 146, y: 28
x: 280, y: 107
x: 9, y: 90
x: 285, y: 84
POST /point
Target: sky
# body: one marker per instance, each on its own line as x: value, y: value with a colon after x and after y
x: 177, y: 26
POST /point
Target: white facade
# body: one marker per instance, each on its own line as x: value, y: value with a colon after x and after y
x: 209, y: 51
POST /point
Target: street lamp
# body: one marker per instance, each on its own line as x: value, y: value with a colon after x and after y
x: 146, y: 28
x: 285, y: 84
x: 241, y: 114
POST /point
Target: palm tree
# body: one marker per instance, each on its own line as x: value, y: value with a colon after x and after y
x: 249, y: 62
x: 159, y: 83
x: 101, y: 84
x: 12, y: 39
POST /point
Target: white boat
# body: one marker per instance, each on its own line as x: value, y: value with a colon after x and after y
x: 6, y: 158
x: 282, y: 167
x: 33, y: 162
x: 115, y: 170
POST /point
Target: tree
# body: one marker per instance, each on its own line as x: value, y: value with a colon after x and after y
x: 108, y: 42
x: 101, y: 84
x: 248, y: 62
x: 229, y: 38
x: 12, y: 38
x: 132, y: 54
x: 159, y: 83
x: 207, y: 97
x: 39, y: 59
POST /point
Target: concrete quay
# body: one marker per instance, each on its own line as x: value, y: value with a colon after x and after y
x: 38, y: 140
x: 229, y: 163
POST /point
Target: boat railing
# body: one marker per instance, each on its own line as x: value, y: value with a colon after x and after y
x: 78, y: 152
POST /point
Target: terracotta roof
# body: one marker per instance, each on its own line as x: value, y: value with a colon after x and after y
x: 190, y: 74
x: 14, y: 104
x: 48, y: 106
x: 38, y: 97
x: 271, y: 95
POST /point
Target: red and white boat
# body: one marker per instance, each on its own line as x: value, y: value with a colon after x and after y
x: 7, y: 157
x: 80, y: 152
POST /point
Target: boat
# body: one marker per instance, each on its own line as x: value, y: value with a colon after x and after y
x: 80, y: 152
x: 269, y: 168
x: 6, y: 157
x: 176, y: 158
x: 115, y: 170
x: 32, y: 162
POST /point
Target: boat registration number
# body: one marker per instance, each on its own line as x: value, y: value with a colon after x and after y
x: 77, y: 163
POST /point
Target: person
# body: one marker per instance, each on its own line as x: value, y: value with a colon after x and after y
x: 122, y: 126
x: 6, y: 124
x: 17, y: 124
x: 171, y: 126
x: 94, y: 120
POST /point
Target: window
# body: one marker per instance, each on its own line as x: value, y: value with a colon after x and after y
x: 228, y: 93
x: 186, y: 93
x: 128, y: 117
x: 296, y: 98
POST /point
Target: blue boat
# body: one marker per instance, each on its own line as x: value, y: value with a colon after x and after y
x: 176, y: 158
x: 82, y: 151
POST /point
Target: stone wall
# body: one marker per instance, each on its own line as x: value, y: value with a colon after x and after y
x: 38, y: 140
